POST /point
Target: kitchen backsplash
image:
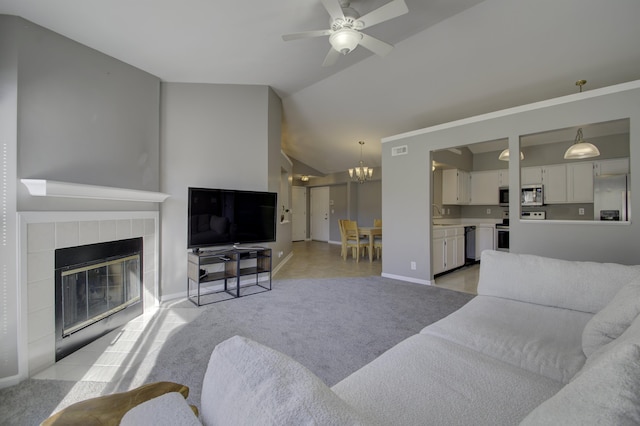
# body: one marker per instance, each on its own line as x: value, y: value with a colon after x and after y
x: 553, y: 211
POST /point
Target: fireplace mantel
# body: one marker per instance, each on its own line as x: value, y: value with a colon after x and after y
x: 50, y: 188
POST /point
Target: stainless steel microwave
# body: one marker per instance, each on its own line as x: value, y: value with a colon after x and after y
x: 503, y: 196
x: 532, y: 195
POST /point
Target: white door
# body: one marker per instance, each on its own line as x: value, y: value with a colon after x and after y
x: 299, y: 213
x: 320, y: 213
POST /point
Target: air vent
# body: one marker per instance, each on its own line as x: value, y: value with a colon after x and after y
x: 399, y: 150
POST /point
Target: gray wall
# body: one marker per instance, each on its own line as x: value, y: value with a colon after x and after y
x: 407, y: 214
x: 67, y: 113
x: 9, y: 300
x: 214, y: 136
x: 369, y: 202
x: 84, y: 118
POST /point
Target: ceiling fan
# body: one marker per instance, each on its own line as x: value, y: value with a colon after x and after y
x: 346, y: 23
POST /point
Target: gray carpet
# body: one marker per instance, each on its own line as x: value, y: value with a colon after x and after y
x: 332, y: 326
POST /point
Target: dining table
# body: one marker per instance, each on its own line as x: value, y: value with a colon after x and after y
x: 371, y: 232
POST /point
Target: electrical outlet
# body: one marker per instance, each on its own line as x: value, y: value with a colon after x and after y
x: 581, y: 211
x: 488, y: 211
x: 413, y: 266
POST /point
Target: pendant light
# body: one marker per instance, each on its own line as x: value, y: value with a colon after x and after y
x: 581, y: 149
x: 504, y: 155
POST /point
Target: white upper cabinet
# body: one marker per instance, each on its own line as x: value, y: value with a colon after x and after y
x: 503, y: 178
x: 456, y: 187
x: 554, y: 181
x: 580, y: 182
x: 553, y: 178
x: 563, y: 183
x: 484, y: 187
x: 531, y: 175
x: 617, y: 166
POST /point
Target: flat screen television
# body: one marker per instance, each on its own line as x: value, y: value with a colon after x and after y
x: 220, y: 217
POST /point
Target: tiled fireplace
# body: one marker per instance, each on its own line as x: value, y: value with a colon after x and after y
x: 41, y: 234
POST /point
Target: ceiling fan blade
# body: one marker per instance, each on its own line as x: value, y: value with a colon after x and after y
x: 305, y: 34
x: 378, y: 47
x: 390, y: 10
x: 331, y: 57
x: 333, y: 8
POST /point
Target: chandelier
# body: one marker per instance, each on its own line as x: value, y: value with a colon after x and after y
x: 361, y: 173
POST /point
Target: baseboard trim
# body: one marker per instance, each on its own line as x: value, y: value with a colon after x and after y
x: 408, y: 279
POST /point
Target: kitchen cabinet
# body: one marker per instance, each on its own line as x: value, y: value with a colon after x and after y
x: 484, y: 187
x: 448, y: 251
x: 580, y: 182
x: 485, y: 239
x: 503, y: 178
x: 554, y: 179
x: 563, y: 183
x: 530, y: 175
x: 616, y: 166
x: 456, y: 186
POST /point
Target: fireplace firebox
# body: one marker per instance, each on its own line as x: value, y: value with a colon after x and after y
x: 98, y: 288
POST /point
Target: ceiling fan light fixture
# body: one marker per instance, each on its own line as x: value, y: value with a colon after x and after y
x: 345, y: 40
x: 581, y: 149
x: 504, y: 155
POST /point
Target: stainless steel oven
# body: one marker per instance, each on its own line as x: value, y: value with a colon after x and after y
x: 502, y: 235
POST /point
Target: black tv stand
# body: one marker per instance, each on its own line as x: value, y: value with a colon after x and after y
x: 227, y: 267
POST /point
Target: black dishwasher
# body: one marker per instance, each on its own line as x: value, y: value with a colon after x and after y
x: 470, y: 245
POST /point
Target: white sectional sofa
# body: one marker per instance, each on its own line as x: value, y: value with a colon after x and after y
x: 545, y: 342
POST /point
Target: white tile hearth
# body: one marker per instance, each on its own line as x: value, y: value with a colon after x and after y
x: 124, y: 350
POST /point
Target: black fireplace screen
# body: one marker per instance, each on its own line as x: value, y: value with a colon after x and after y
x: 91, y: 293
x: 98, y: 288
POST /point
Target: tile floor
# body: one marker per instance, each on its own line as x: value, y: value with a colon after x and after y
x: 464, y: 279
x: 126, y: 348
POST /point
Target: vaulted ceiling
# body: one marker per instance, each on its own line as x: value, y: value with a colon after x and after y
x: 452, y: 58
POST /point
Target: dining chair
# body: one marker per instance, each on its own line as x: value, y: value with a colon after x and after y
x: 377, y: 246
x: 377, y: 239
x: 353, y: 240
x: 343, y: 237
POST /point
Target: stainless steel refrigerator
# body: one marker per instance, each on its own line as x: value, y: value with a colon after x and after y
x: 611, y: 195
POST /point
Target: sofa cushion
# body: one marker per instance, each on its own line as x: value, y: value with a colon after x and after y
x: 247, y: 383
x: 630, y: 335
x: 428, y: 380
x: 541, y: 339
x: 169, y: 409
x: 608, y: 324
x: 581, y: 286
x: 607, y: 393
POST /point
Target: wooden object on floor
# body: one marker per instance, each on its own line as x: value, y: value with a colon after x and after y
x: 108, y: 410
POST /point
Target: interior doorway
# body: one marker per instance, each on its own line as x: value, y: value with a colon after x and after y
x: 320, y: 213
